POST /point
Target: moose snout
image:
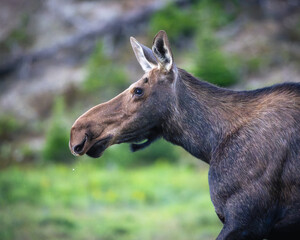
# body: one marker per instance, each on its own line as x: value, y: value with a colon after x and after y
x: 78, y: 149
x: 78, y: 142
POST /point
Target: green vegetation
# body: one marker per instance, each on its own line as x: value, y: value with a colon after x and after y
x: 211, y: 14
x: 211, y: 64
x: 9, y: 127
x: 121, y: 156
x: 57, y: 135
x: 175, y: 21
x: 103, y: 73
x: 202, y: 19
x: 182, y: 22
x: 86, y: 202
x: 19, y: 36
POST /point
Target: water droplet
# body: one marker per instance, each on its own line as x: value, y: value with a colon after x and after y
x: 73, y: 169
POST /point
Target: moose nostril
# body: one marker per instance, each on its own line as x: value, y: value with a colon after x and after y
x: 78, y: 148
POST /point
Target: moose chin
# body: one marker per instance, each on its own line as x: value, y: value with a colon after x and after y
x: 250, y: 139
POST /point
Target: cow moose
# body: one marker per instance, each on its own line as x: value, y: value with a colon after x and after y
x: 250, y: 139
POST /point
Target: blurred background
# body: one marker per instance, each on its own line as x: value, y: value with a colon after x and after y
x: 58, y: 58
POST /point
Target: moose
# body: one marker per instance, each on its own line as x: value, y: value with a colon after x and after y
x: 250, y: 139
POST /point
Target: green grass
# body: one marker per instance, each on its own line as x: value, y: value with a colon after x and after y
x: 86, y: 202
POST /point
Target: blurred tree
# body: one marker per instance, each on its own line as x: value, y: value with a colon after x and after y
x: 102, y: 69
x: 211, y: 64
x: 57, y: 136
x: 175, y: 21
x: 202, y: 19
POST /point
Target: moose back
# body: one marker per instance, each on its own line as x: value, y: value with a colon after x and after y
x: 250, y: 139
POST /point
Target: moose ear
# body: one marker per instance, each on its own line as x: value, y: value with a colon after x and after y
x: 162, y: 51
x: 144, y: 55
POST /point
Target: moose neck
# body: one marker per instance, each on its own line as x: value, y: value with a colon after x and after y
x: 201, y: 116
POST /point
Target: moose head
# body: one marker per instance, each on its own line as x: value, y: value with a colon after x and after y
x: 135, y: 115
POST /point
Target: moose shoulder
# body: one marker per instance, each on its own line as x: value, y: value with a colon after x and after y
x: 250, y: 139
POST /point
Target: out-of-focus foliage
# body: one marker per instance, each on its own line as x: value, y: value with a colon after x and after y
x: 10, y: 129
x: 120, y: 155
x: 57, y: 135
x: 10, y: 126
x: 211, y: 64
x: 175, y: 21
x: 211, y: 14
x: 18, y: 37
x: 103, y: 72
x: 85, y: 202
x: 202, y: 20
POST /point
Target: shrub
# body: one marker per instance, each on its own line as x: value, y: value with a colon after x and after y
x: 10, y: 126
x: 18, y: 36
x: 103, y: 72
x: 57, y: 136
x: 121, y: 156
x: 181, y: 22
x: 202, y: 18
x: 159, y: 151
x: 212, y: 64
x: 211, y: 14
x: 175, y: 21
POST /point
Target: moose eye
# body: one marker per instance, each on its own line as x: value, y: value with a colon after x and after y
x: 138, y: 91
